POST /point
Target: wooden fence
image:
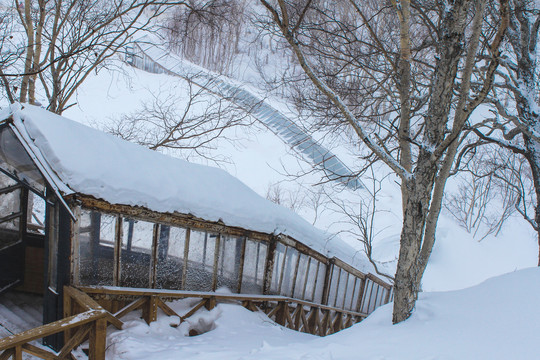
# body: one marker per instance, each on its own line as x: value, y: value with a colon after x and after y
x: 293, y: 313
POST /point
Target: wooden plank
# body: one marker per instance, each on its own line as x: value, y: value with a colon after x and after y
x: 67, y: 312
x: 269, y: 267
x: 98, y: 340
x: 166, y: 309
x: 18, y: 353
x: 175, y: 219
x: 274, y: 311
x: 150, y: 310
x: 122, y: 293
x: 306, y: 277
x: 241, y: 265
x: 287, y: 312
x: 154, y: 260
x: 194, y: 310
x: 327, y: 281
x: 316, y: 281
x: 118, y: 234
x: 130, y: 307
x: 75, y: 246
x: 186, y: 254
x: 282, y: 270
x: 346, y: 288
x: 7, y: 354
x: 216, y: 262
x: 295, y: 274
x: 210, y: 303
x: 51, y: 328
x: 39, y: 352
x: 74, y: 341
x: 361, y: 294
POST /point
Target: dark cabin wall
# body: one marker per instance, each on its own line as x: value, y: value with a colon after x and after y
x: 57, y: 253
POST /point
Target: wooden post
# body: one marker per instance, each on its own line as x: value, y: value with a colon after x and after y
x: 327, y: 281
x: 75, y: 245
x: 67, y: 313
x: 210, y: 303
x: 98, y: 339
x: 216, y: 261
x: 150, y: 309
x: 313, y: 292
x: 186, y: 254
x: 306, y: 278
x: 281, y: 273
x: 269, y: 268
x: 241, y: 265
x: 18, y: 353
x: 154, y: 260
x: 361, y: 294
x: 118, y: 233
x: 295, y: 275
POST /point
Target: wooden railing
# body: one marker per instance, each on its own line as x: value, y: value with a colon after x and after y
x: 84, y: 320
x: 293, y: 313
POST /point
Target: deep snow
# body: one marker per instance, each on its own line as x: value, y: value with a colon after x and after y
x: 498, y: 319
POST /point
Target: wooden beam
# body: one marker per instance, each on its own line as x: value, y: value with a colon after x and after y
x: 98, y: 339
x: 166, y: 309
x: 150, y: 309
x: 117, y: 262
x: 269, y: 267
x: 74, y: 341
x: 216, y: 262
x: 154, y: 260
x: 186, y: 255
x: 39, y: 352
x: 131, y: 307
x: 241, y: 265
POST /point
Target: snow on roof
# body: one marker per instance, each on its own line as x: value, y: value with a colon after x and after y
x: 87, y: 161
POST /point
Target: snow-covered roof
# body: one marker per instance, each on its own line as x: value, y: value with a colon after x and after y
x: 79, y: 159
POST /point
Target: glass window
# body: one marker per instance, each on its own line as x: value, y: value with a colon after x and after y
x: 230, y: 250
x: 279, y: 257
x: 170, y: 257
x: 319, y: 289
x: 334, y: 282
x: 15, y: 161
x: 202, y: 248
x: 289, y: 272
x: 254, y: 266
x: 96, y: 248
x: 136, y: 253
x: 301, y: 277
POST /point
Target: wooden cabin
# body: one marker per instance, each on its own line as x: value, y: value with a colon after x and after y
x: 84, y: 208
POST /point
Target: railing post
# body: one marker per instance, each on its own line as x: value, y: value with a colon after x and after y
x: 98, y: 339
x: 269, y: 268
x: 67, y: 312
x: 150, y: 309
x: 327, y: 281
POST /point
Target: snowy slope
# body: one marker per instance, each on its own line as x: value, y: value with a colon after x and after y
x: 498, y: 319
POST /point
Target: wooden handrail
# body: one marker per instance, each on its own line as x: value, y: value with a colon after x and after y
x: 181, y: 294
x: 51, y: 328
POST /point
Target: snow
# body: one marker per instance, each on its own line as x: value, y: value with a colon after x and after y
x: 498, y: 319
x: 91, y: 162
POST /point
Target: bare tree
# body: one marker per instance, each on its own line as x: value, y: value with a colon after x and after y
x: 433, y: 66
x: 518, y: 84
x: 67, y: 40
x: 192, y: 128
x: 484, y: 199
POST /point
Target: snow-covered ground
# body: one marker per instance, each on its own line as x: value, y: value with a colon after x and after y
x: 498, y: 319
